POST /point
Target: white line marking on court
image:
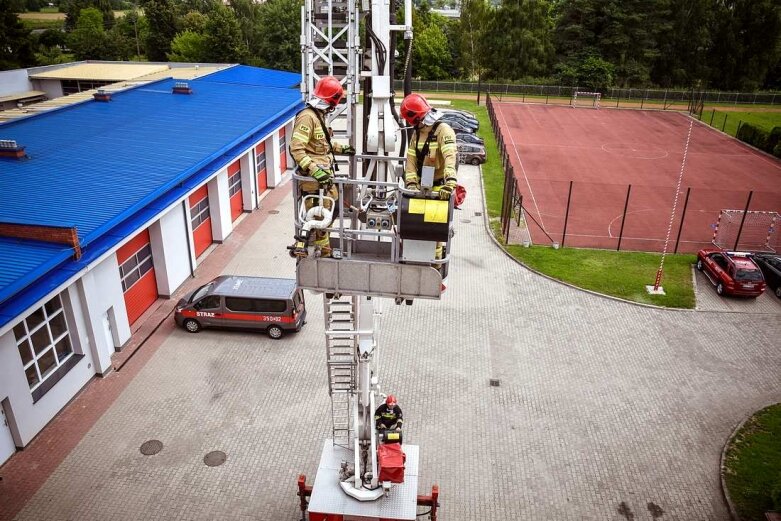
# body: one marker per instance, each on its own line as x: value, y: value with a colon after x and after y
x: 526, y: 178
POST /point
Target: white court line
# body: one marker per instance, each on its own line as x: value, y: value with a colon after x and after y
x: 526, y: 178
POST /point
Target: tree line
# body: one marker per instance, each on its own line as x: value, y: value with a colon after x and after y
x: 596, y: 44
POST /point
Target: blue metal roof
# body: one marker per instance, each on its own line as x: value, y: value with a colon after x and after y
x: 245, y: 75
x: 107, y: 168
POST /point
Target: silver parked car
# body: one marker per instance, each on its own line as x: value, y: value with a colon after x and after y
x: 472, y: 154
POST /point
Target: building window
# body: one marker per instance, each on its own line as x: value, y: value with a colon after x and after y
x: 234, y: 184
x: 74, y: 86
x: 260, y: 161
x: 199, y: 212
x: 44, y: 343
x: 135, y: 267
x: 282, y: 143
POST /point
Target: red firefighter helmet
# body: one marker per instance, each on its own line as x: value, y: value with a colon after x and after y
x: 390, y: 401
x: 330, y: 90
x: 414, y: 108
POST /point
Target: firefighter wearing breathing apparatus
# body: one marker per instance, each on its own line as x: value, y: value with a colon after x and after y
x: 432, y: 144
x: 312, y: 150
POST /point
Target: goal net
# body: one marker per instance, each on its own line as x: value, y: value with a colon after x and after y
x: 759, y: 232
x: 586, y: 99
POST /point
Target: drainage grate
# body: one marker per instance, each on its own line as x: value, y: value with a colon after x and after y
x: 478, y: 214
x: 215, y: 458
x: 466, y: 221
x: 495, y: 382
x: 273, y: 212
x: 151, y: 447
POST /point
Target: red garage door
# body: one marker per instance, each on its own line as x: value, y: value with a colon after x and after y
x: 234, y: 190
x: 260, y: 168
x: 201, y: 222
x: 282, y: 151
x: 138, y: 275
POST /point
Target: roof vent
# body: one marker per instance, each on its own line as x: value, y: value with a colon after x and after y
x: 102, y: 95
x: 182, y: 87
x: 10, y: 148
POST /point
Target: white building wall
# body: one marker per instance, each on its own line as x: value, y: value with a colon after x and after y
x: 249, y: 181
x: 52, y: 88
x: 220, y: 206
x: 172, y: 252
x: 101, y: 290
x: 272, y: 160
x: 28, y: 417
x: 13, y: 82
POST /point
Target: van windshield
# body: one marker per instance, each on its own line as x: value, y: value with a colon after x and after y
x: 200, y: 292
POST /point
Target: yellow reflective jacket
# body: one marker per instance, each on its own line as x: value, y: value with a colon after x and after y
x: 442, y: 154
x: 309, y: 145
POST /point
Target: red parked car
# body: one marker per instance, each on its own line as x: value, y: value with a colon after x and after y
x: 733, y: 273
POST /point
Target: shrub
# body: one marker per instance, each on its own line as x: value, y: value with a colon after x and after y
x: 775, y: 494
x: 754, y: 136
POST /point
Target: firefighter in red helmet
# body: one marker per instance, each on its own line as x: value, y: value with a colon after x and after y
x: 388, y: 415
x: 313, y: 151
x: 432, y: 144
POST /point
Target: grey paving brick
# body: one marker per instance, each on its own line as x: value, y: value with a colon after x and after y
x: 603, y: 407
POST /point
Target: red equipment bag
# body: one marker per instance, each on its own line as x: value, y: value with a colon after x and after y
x: 391, y: 460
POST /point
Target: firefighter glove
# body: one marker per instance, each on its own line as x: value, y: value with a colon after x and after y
x: 412, y: 185
x: 323, y: 177
x: 348, y: 150
x: 447, y: 190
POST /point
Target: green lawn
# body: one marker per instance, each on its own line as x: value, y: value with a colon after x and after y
x: 729, y: 121
x: 620, y: 274
x: 753, y: 464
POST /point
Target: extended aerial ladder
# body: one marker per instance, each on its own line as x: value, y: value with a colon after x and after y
x: 384, y: 241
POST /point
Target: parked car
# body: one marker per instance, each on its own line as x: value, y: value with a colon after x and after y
x: 472, y: 139
x: 261, y: 303
x: 732, y: 273
x: 472, y: 154
x: 459, y: 127
x: 464, y: 114
x: 770, y: 264
x: 450, y: 118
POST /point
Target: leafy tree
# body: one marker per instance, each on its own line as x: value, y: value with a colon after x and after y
x: 472, y: 29
x: 88, y: 40
x: 224, y: 43
x: 188, y: 46
x: 248, y: 15
x: 130, y: 28
x: 16, y: 49
x: 683, y: 43
x: 746, y: 47
x: 520, y: 39
x: 194, y: 21
x: 595, y: 74
x: 161, y: 22
x: 73, y: 11
x: 430, y: 51
x: 277, y: 44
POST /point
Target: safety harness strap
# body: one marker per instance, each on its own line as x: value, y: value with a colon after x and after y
x: 421, y: 154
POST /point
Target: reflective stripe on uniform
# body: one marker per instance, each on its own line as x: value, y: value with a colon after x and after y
x: 301, y: 137
x: 305, y: 162
x: 450, y: 147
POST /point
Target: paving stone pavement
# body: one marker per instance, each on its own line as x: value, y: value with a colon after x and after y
x: 606, y: 410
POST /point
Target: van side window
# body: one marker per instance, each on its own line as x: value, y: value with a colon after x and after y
x: 239, y: 304
x: 210, y: 302
x: 270, y: 306
x: 255, y: 305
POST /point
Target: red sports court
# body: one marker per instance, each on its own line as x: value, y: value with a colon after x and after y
x: 605, y: 151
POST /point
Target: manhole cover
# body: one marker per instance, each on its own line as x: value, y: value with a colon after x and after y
x: 478, y: 214
x: 467, y: 221
x: 215, y: 458
x: 151, y: 447
x: 273, y: 212
x: 495, y: 382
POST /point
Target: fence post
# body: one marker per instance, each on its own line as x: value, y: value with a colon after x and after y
x: 566, y: 215
x: 683, y: 216
x: 724, y: 125
x: 642, y: 100
x: 623, y: 218
x: 773, y: 100
x: 743, y: 219
x: 713, y: 113
x: 664, y: 102
x: 740, y: 124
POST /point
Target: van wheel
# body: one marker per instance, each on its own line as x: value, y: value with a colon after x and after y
x: 193, y: 326
x: 275, y: 332
x: 475, y: 161
x: 778, y: 291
